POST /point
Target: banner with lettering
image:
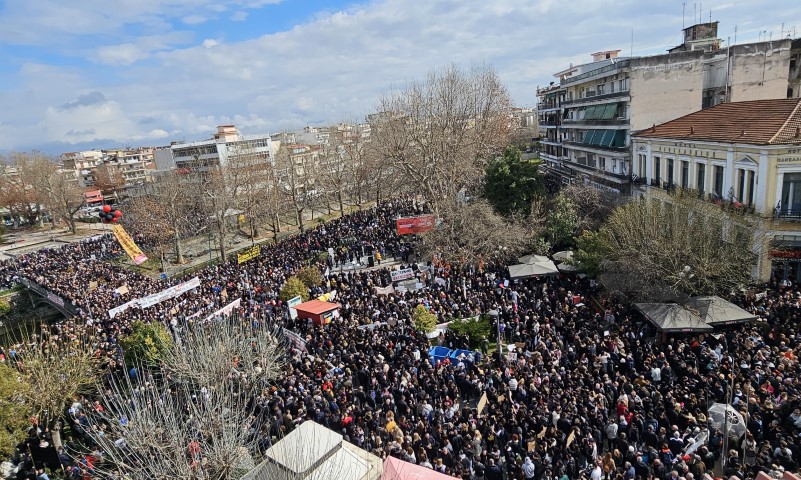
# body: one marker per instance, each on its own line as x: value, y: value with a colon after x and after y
x: 409, y: 225
x: 248, y: 254
x: 226, y: 310
x: 150, y: 300
x: 129, y: 245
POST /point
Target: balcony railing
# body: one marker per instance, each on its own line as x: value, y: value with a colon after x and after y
x: 789, y: 212
x: 613, y: 121
x: 597, y: 147
x: 598, y: 71
x: 604, y: 96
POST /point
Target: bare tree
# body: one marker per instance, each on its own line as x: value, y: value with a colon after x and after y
x: 438, y: 134
x: 55, y: 188
x: 194, y: 418
x: 109, y: 180
x: 297, y: 175
x: 471, y: 232
x: 682, y: 246
x: 17, y: 193
x: 159, y: 212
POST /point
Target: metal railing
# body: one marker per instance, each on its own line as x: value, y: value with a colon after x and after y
x: 616, y: 65
x: 592, y: 98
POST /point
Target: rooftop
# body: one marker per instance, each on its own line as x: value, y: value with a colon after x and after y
x: 757, y: 122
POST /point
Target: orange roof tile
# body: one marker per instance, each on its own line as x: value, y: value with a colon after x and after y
x: 757, y: 122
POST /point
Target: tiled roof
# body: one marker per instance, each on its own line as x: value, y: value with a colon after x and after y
x: 757, y: 122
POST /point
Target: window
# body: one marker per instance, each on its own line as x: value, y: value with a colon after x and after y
x: 717, y: 186
x: 601, y: 89
x: 740, y: 185
x: 643, y: 168
x: 791, y: 194
x: 701, y: 178
x: 670, y: 171
x: 751, y: 182
x: 602, y: 163
x: 685, y: 174
x: 657, y: 169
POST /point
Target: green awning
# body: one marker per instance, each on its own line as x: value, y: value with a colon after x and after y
x: 590, y: 113
x: 609, y: 111
x: 608, y: 137
x: 620, y: 139
x: 596, y: 137
x: 588, y: 136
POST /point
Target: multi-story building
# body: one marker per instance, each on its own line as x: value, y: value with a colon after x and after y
x: 84, y: 164
x: 586, y: 120
x: 744, y: 155
x: 225, y: 145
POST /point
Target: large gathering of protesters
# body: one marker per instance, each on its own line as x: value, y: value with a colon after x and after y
x: 592, y: 393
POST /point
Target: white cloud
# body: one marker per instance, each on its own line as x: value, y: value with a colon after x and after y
x: 194, y: 19
x: 172, y: 86
x: 239, y: 16
x: 124, y: 54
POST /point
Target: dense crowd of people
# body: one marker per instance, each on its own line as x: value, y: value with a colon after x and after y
x: 592, y: 393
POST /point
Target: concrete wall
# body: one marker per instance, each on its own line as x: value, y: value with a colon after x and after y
x: 760, y: 70
x: 665, y: 87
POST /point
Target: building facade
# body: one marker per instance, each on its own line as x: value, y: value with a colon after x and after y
x: 226, y: 144
x: 741, y: 155
x: 586, y: 120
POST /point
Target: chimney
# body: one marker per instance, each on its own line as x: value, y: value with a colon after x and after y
x: 653, y: 128
x: 692, y: 129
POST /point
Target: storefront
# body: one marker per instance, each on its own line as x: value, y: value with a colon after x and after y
x: 785, y: 257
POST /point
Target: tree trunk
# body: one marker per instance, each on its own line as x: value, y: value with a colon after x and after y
x: 276, y: 223
x: 179, y: 251
x: 299, y: 215
x: 341, y: 204
x: 222, y: 247
x: 71, y: 222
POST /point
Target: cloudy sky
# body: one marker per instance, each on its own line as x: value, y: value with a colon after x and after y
x: 102, y: 73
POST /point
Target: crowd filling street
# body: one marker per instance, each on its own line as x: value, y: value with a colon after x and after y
x: 593, y: 392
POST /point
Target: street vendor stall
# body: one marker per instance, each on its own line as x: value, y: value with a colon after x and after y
x: 318, y: 311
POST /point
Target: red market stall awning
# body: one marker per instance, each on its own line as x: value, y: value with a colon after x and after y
x: 395, y: 469
x: 318, y: 311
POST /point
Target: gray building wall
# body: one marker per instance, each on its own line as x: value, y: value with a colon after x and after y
x: 665, y: 87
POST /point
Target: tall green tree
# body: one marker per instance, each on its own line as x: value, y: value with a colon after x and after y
x: 512, y: 183
x: 562, y: 221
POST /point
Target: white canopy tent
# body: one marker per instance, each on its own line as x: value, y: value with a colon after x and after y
x: 313, y: 452
x: 532, y: 266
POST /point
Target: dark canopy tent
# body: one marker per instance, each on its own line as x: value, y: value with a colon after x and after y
x: 717, y: 311
x: 672, y: 317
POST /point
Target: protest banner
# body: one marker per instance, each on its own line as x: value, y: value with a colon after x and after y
x: 226, y: 310
x: 293, y: 314
x: 128, y: 245
x: 248, y: 254
x: 403, y: 274
x: 384, y: 291
x: 409, y: 225
x: 150, y: 300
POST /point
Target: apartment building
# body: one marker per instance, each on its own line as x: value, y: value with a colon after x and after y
x: 226, y: 144
x: 115, y: 171
x: 586, y: 119
x: 744, y: 156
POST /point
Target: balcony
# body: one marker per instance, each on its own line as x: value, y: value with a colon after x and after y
x: 788, y: 213
x: 612, y: 121
x: 598, y: 147
x: 594, y: 98
x: 617, y: 65
x: 558, y: 169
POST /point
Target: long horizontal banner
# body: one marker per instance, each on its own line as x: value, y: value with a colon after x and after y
x: 150, y: 300
x: 409, y: 225
x: 226, y: 310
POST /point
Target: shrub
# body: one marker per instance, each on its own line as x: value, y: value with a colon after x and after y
x: 147, y: 343
x: 475, y: 330
x: 5, y: 306
x: 294, y: 287
x: 310, y: 276
x: 424, y: 320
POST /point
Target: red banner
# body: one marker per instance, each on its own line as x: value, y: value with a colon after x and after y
x: 411, y: 225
